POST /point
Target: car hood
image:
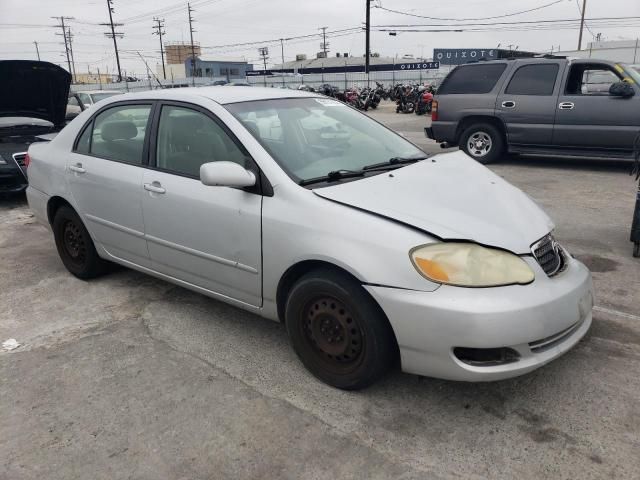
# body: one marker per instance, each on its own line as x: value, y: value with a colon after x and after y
x: 34, y: 89
x: 452, y: 197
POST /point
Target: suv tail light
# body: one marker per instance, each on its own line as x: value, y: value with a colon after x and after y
x: 27, y: 161
x: 434, y: 111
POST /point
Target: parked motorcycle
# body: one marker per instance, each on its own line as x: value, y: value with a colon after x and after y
x: 424, y: 101
x: 406, y: 102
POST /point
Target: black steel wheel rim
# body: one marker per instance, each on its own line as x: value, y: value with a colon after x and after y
x: 73, y: 241
x: 333, y: 333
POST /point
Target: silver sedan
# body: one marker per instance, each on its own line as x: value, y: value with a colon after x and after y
x: 301, y: 209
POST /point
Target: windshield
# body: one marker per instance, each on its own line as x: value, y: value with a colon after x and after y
x: 633, y: 73
x: 101, y: 96
x: 310, y: 137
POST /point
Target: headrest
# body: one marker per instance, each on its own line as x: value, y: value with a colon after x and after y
x: 119, y: 130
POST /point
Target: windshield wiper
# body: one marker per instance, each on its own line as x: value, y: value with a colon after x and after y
x: 394, y: 162
x: 333, y: 176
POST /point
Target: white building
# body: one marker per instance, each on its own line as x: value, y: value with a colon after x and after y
x: 624, y: 51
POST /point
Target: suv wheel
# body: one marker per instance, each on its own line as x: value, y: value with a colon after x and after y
x: 482, y: 142
x: 75, y: 246
x: 339, y: 333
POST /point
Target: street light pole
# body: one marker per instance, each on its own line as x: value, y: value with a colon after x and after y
x: 282, y: 66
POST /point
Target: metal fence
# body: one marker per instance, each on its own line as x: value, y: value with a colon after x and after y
x: 351, y: 79
x: 340, y: 80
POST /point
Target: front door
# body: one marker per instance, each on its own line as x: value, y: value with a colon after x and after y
x: 104, y: 173
x: 207, y: 236
x: 587, y: 117
x: 527, y: 102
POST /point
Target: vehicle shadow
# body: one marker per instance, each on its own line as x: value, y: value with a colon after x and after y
x: 12, y: 200
x: 567, y: 163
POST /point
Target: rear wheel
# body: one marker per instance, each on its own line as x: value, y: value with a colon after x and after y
x: 339, y: 333
x: 482, y: 142
x: 74, y: 245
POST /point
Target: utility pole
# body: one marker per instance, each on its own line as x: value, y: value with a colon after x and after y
x: 113, y: 34
x: 584, y: 7
x: 37, y: 51
x: 367, y: 47
x: 264, y: 53
x: 193, y: 50
x: 159, y: 30
x: 324, y: 46
x: 282, y: 66
x: 64, y: 34
x: 73, y: 63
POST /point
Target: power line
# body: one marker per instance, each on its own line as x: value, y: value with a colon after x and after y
x: 113, y: 34
x: 159, y: 30
x: 466, y: 19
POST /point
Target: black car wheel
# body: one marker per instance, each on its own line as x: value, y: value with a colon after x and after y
x: 482, y: 142
x: 74, y: 245
x: 339, y: 333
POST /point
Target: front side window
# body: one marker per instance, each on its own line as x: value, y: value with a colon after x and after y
x: 119, y: 133
x: 533, y: 80
x: 472, y: 79
x: 586, y: 79
x: 309, y: 137
x: 188, y: 138
x: 73, y: 102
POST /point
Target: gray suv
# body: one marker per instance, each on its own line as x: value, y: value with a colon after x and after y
x: 548, y: 105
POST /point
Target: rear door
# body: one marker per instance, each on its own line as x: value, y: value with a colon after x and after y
x: 104, y: 174
x: 588, y: 117
x: 526, y: 103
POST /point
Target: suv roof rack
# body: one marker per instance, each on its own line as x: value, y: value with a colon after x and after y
x: 550, y: 55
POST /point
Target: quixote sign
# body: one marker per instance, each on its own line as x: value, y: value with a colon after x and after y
x: 456, y: 56
x: 418, y: 66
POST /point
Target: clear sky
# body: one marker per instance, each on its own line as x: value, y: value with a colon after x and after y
x: 224, y: 22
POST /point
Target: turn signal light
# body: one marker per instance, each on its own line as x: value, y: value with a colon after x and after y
x: 27, y: 161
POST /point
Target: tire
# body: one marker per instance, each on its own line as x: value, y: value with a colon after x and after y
x: 483, y: 142
x: 337, y: 330
x: 636, y: 250
x: 75, y: 247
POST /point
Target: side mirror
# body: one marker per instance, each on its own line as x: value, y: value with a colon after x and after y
x: 226, y: 174
x: 621, y: 89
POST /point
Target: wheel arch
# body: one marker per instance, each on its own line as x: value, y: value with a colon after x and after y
x: 466, y: 122
x: 53, y: 205
x: 298, y: 270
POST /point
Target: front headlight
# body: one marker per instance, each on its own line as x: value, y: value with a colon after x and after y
x: 470, y: 265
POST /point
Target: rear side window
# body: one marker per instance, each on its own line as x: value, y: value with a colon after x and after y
x: 472, y: 79
x: 119, y: 132
x: 533, y: 80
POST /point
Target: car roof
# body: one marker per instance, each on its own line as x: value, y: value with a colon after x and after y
x: 97, y: 91
x: 222, y: 95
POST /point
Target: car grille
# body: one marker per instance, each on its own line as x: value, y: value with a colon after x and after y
x: 549, y: 255
x: 19, y: 158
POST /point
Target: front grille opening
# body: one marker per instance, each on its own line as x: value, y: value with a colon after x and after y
x: 549, y: 255
x: 551, y: 341
x: 486, y: 357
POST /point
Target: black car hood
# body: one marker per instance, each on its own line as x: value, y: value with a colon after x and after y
x: 34, y: 89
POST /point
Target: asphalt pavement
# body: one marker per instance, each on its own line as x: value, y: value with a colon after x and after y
x: 127, y: 376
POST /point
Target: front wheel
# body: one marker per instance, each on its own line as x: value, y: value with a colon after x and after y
x: 74, y: 245
x: 339, y: 333
x: 636, y: 250
x: 482, y: 142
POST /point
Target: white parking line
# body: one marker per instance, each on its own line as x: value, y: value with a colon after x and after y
x: 616, y: 312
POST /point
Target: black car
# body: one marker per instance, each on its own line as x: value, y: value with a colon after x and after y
x: 33, y: 102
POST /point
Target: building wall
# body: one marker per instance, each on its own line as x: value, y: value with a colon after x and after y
x: 625, y: 51
x: 217, y: 68
x: 174, y: 71
x: 178, y: 52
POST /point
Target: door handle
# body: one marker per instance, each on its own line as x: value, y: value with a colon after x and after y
x: 508, y: 104
x: 566, y: 106
x: 154, y: 187
x: 77, y: 168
